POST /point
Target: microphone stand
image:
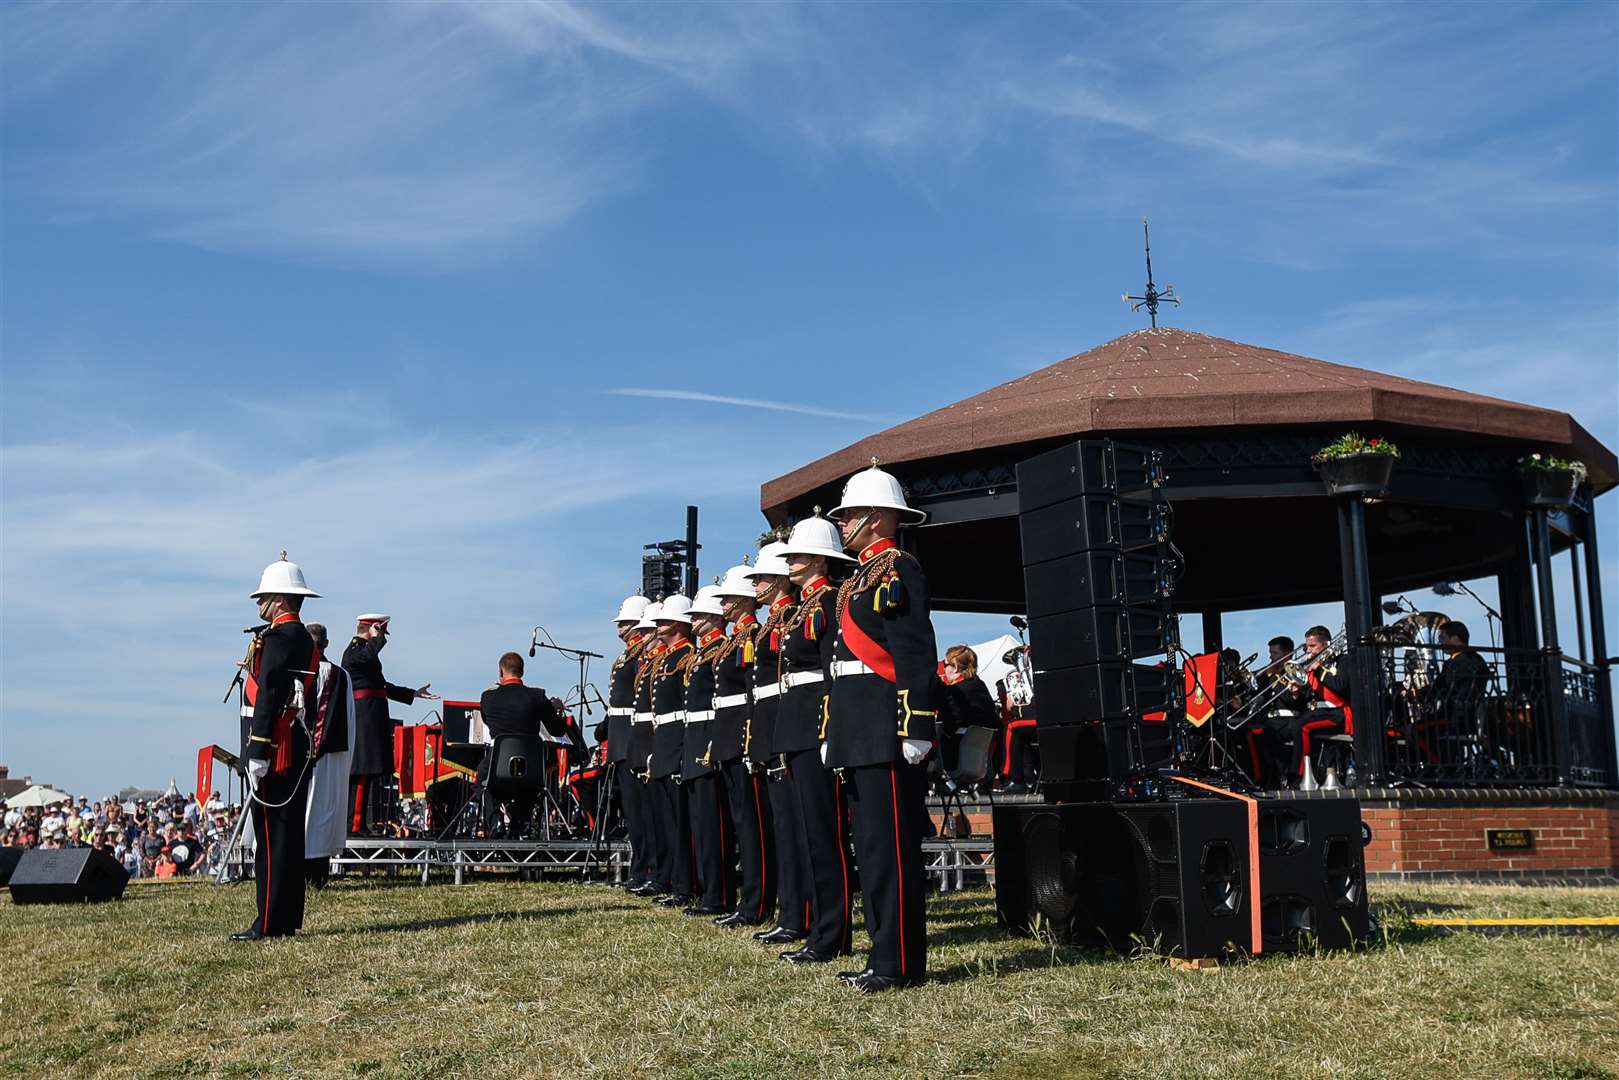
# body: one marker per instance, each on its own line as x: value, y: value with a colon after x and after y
x: 1491, y: 616
x: 580, y: 656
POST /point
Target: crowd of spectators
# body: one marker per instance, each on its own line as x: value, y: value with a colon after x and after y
x: 164, y: 837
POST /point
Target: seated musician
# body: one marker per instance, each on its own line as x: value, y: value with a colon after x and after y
x: 963, y: 700
x: 509, y: 707
x: 1329, y: 711
x: 1455, y: 693
x: 1017, y: 750
x: 1266, y: 737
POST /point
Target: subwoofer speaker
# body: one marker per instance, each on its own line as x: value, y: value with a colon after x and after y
x: 1169, y: 876
x: 1312, y: 872
x: 67, y: 876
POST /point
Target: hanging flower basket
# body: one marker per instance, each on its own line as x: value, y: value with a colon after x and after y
x: 1356, y: 465
x: 1550, y: 482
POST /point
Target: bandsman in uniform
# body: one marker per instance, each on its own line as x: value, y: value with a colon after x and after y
x: 745, y: 789
x: 713, y: 846
x: 281, y: 673
x: 373, y: 761
x: 774, y: 593
x: 806, y: 659
x: 643, y: 729
x: 1329, y: 711
x: 620, y: 717
x: 881, y: 724
x: 668, y: 740
x: 512, y: 708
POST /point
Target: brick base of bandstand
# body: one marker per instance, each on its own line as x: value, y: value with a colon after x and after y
x: 1423, y: 834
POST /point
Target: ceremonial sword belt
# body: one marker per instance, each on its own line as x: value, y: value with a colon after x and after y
x: 766, y: 691
x: 800, y: 678
x: 729, y: 701
x: 842, y: 669
x: 660, y: 719
x: 620, y: 712
x: 698, y: 716
x: 642, y: 717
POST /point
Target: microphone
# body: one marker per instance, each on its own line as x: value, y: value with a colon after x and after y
x: 533, y: 639
x: 1020, y: 622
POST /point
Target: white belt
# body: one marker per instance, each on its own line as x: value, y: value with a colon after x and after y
x: 844, y: 668
x: 800, y: 678
x: 663, y: 718
x: 701, y: 716
x: 765, y: 691
x: 247, y: 710
x: 730, y: 701
x: 642, y: 717
x: 620, y: 712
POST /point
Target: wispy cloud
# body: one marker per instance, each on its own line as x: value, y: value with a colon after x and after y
x: 751, y: 403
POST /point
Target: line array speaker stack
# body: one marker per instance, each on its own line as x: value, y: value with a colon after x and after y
x: 1098, y: 573
x: 1174, y: 875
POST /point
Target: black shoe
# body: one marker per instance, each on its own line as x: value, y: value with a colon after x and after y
x: 781, y: 936
x: 1012, y: 789
x: 807, y: 955
x: 704, y: 909
x: 645, y: 888
x: 852, y: 977
x: 250, y: 934
x: 735, y: 918
x: 674, y: 900
x: 873, y: 983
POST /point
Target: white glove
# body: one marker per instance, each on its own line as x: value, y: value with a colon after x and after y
x: 257, y: 769
x: 823, y: 753
x: 915, y: 750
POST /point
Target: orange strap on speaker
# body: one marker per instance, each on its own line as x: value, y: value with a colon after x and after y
x: 1256, y: 926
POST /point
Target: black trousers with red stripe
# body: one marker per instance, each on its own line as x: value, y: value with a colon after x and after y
x: 675, y: 863
x: 278, y: 855
x: 712, y: 839
x: 890, y: 819
x: 751, y: 820
x: 1308, y: 730
x: 824, y: 838
x: 370, y: 802
x: 632, y: 799
x: 792, y: 861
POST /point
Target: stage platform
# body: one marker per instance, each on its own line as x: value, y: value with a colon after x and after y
x: 950, y: 863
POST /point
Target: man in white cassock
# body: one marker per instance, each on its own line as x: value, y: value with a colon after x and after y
x: 326, y: 826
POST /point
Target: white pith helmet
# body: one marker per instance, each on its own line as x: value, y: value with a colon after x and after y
x: 371, y: 617
x: 674, y: 608
x: 632, y: 609
x: 737, y: 582
x: 875, y: 489
x: 816, y: 536
x: 770, y: 561
x: 282, y: 578
x: 708, y: 602
x: 649, y: 617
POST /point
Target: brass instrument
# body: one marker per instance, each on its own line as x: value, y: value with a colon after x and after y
x: 1287, y: 675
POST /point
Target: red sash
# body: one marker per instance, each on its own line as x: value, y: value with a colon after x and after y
x: 873, y: 655
x: 1331, y: 697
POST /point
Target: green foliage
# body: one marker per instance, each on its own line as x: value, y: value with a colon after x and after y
x: 1551, y: 463
x: 1354, y: 444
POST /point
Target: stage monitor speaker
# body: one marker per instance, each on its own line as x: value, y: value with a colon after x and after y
x: 1088, y: 522
x: 1092, y: 578
x: 1073, y: 695
x: 1107, y: 633
x: 458, y: 717
x: 1086, y: 467
x: 67, y: 876
x: 9, y: 857
x: 1170, y: 876
x: 1080, y: 761
x: 1312, y: 873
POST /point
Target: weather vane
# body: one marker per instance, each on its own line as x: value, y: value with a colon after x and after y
x: 1153, y: 297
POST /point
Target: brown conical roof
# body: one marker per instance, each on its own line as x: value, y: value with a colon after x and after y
x: 1167, y: 379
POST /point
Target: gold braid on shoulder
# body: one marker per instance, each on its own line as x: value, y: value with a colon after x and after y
x: 878, y: 572
x: 734, y: 641
x: 631, y: 653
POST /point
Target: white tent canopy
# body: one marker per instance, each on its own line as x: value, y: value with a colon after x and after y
x: 991, y: 665
x: 38, y: 795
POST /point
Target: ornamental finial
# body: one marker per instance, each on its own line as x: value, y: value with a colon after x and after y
x: 283, y: 554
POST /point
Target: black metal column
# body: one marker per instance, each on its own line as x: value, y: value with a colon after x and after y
x: 1579, y: 606
x: 1518, y: 596
x: 1213, y: 635
x: 1599, y: 647
x: 1366, y: 699
x: 1551, y: 655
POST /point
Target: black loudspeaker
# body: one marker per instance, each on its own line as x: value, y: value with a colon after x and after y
x: 1095, y: 577
x: 9, y: 857
x: 67, y: 876
x: 1085, y: 467
x: 1090, y: 522
x: 1084, y: 761
x: 1312, y: 872
x: 1098, y: 635
x: 1076, y: 695
x: 1172, y: 876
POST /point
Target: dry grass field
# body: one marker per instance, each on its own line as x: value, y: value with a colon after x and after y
x: 502, y: 978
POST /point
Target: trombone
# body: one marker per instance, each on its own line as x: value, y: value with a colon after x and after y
x: 1287, y: 675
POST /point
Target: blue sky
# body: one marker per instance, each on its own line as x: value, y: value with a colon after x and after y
x: 389, y: 285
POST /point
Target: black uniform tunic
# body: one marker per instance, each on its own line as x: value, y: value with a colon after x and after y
x: 759, y: 753
x: 821, y: 847
x: 286, y: 651
x: 621, y: 699
x: 373, y: 728
x: 642, y: 803
x: 511, y: 708
x: 674, y: 820
x: 884, y: 623
x: 732, y: 673
x: 745, y: 789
